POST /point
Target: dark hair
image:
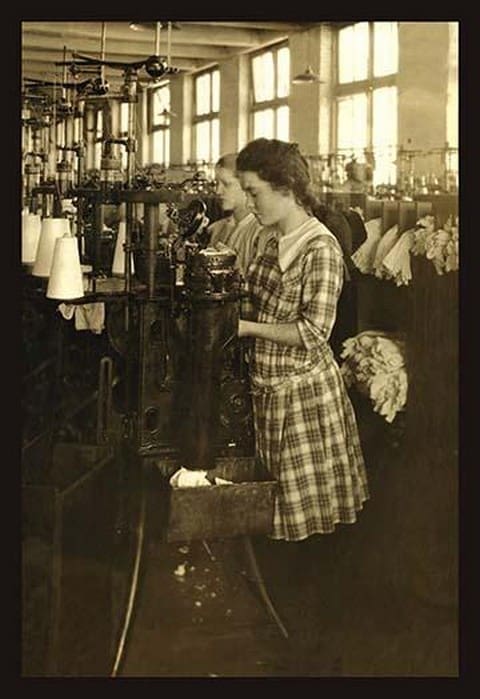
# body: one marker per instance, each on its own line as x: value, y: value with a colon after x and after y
x: 283, y: 166
x: 228, y: 161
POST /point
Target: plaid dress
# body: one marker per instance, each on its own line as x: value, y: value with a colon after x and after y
x: 305, y: 428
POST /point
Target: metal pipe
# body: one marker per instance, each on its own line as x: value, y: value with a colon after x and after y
x: 89, y: 135
x: 151, y: 224
x: 134, y: 584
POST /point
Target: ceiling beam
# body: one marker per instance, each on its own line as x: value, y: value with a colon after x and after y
x: 284, y: 27
x: 192, y: 33
x: 50, y: 57
x: 46, y: 71
x: 136, y: 49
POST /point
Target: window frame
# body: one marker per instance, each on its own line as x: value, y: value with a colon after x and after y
x: 274, y: 103
x: 366, y: 86
x: 206, y: 116
x: 153, y: 128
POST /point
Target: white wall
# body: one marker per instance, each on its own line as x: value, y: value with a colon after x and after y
x: 427, y: 82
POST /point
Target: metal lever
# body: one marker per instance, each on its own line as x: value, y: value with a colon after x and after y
x: 104, y: 401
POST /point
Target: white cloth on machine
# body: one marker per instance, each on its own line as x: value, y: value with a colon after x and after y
x: 396, y: 264
x: 364, y: 256
x: 187, y: 478
x: 88, y: 316
x: 387, y: 242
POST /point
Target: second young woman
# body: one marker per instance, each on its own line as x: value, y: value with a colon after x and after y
x: 239, y: 230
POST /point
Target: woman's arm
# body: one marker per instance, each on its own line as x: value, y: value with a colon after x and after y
x: 283, y: 333
x: 322, y: 282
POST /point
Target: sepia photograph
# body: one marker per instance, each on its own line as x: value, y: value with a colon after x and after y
x: 239, y: 348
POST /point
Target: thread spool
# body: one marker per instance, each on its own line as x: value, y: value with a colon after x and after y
x: 66, y: 280
x: 118, y: 265
x: 51, y: 230
x: 31, y: 226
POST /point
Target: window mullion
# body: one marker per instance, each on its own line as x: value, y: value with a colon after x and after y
x: 370, y: 86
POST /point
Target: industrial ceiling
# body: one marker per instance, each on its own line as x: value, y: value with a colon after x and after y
x: 191, y: 46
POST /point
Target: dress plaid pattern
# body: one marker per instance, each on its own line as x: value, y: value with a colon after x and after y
x: 305, y: 426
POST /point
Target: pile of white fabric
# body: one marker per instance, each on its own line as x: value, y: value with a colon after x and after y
x: 363, y: 258
x: 440, y: 245
x: 387, y: 256
x: 374, y: 362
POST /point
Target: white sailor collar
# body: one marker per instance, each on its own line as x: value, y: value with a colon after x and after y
x: 291, y: 244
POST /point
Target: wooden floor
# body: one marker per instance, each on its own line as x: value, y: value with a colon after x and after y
x: 374, y: 599
x: 199, y: 615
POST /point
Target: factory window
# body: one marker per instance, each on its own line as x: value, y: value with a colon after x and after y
x: 124, y: 132
x: 366, y: 97
x: 270, y: 82
x: 98, y: 137
x: 159, y: 124
x: 206, y: 117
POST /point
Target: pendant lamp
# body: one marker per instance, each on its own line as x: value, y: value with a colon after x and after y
x: 308, y: 76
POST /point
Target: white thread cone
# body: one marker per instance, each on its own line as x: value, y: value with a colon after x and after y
x: 31, y: 226
x: 51, y: 230
x: 66, y: 280
x: 118, y: 265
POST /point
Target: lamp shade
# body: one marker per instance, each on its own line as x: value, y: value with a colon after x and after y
x: 51, y: 230
x: 308, y: 76
x: 118, y: 265
x: 66, y: 280
x: 31, y: 226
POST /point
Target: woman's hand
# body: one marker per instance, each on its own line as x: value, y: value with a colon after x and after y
x: 283, y: 333
x: 243, y: 328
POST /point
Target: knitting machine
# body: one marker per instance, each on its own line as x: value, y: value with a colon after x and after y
x: 177, y: 328
x: 165, y: 386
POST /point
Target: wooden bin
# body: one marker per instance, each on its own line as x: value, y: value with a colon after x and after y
x: 244, y: 507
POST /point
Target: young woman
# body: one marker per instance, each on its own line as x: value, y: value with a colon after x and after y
x: 239, y: 230
x: 305, y: 428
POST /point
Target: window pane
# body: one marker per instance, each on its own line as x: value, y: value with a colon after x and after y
x: 452, y: 86
x: 385, y: 48
x: 353, y: 53
x: 216, y: 91
x: 161, y: 104
x: 263, y: 77
x: 158, y: 154
x: 202, y: 94
x: 385, y: 134
x: 124, y: 118
x: 202, y: 141
x: 263, y: 124
x: 283, y: 131
x: 60, y: 132
x: 124, y: 158
x: 167, y: 147
x: 98, y: 154
x: 385, y: 116
x: 99, y: 124
x: 352, y: 124
x: 283, y: 72
x: 215, y: 148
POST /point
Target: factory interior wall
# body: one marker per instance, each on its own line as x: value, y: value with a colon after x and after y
x: 425, y: 57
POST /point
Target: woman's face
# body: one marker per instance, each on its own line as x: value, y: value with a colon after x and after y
x: 269, y: 205
x: 229, y: 189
